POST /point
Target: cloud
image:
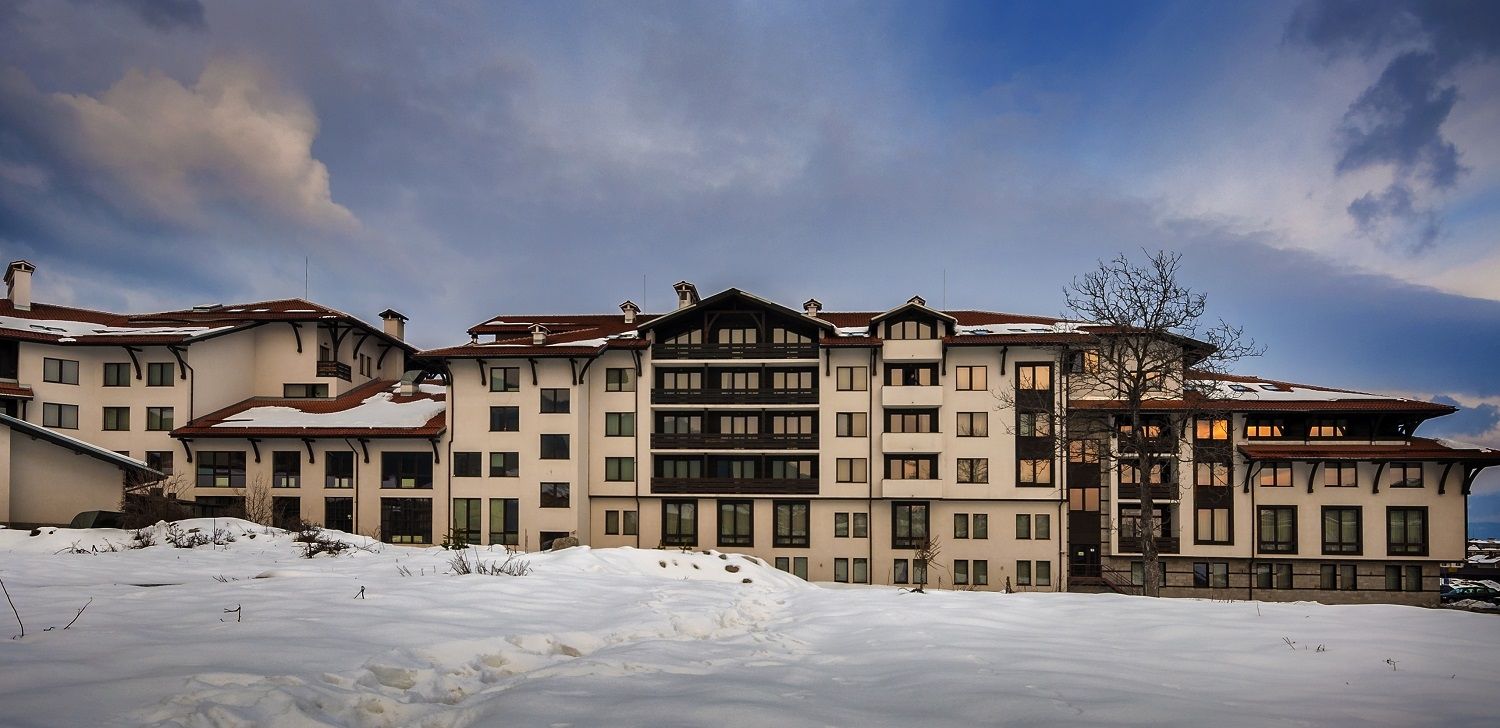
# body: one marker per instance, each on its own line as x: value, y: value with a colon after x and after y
x: 153, y: 149
x: 166, y: 14
x: 1396, y: 124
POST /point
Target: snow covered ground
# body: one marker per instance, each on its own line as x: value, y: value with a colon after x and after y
x: 661, y: 638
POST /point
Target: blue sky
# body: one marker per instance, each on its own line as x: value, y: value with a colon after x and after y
x: 1329, y: 170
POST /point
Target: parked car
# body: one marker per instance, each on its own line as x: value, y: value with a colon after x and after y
x: 98, y: 519
x: 1454, y: 590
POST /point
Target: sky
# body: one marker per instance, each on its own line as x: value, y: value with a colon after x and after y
x: 1329, y: 171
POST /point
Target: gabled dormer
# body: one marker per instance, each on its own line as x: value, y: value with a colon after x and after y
x: 913, y: 320
x: 734, y: 324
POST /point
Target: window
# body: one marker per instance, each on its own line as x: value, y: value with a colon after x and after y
x: 505, y: 419
x: 907, y: 330
x: 10, y: 359
x: 158, y: 419
x: 1212, y: 428
x: 900, y: 572
x: 1341, y: 530
x: 861, y: 571
x: 160, y: 461
x: 784, y: 468
x: 286, y: 469
x: 554, y: 401
x: 1023, y: 573
x: 969, y: 379
x: 1406, y: 475
x: 1413, y: 578
x: 841, y: 570
x: 406, y: 520
x: 782, y: 336
x: 466, y: 518
x: 1274, y: 475
x: 1340, y: 475
x: 738, y: 380
x: 791, y: 524
x: 1083, y: 451
x: 338, y: 469
x: 61, y: 416
x: 667, y: 467
x: 1034, y: 472
x: 1406, y: 531
x: 1043, y: 573
x: 1023, y: 526
x: 1265, y: 427
x: 406, y: 470
x: 555, y: 447
x: 852, y: 424
x: 1278, y: 530
x: 973, y: 470
x: 505, y: 465
x: 973, y: 424
x: 304, y: 391
x: 852, y: 379
x: 960, y: 572
x: 620, y: 470
x: 116, y: 375
x: 1033, y: 424
x: 221, y: 469
x: 505, y: 517
x: 741, y: 335
x: 619, y: 380
x: 791, y: 424
x: 1034, y: 377
x: 981, y: 527
x: 555, y: 495
x: 841, y: 525
x: 338, y: 514
x: 116, y: 419
x: 960, y: 525
x: 980, y: 572
x: 1211, y: 574
x: 792, y: 380
x: 61, y: 371
x: 505, y: 379
x: 911, y: 420
x: 911, y: 467
x: 1130, y: 473
x: 852, y: 470
x: 1327, y: 427
x: 1043, y: 526
x: 1213, y: 525
x: 861, y: 523
x: 619, y: 424
x: 1211, y: 474
x: 676, y: 380
x: 1273, y: 576
x: 679, y: 523
x: 911, y: 375
x: 1138, y: 574
x: 1084, y: 362
x: 467, y: 465
x: 611, y: 523
x: 908, y: 525
x: 159, y: 374
x: 632, y: 522
x: 1343, y: 577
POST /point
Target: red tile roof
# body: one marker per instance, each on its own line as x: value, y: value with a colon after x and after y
x: 1392, y: 404
x: 14, y: 391
x: 1419, y: 448
x: 211, y: 425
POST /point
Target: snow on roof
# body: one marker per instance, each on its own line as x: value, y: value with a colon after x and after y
x: 68, y: 328
x: 1282, y: 392
x: 996, y: 329
x: 378, y: 410
x: 76, y: 444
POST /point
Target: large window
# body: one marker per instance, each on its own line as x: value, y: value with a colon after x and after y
x: 1406, y: 475
x: 286, y: 469
x: 1341, y: 530
x: 555, y: 495
x: 1034, y: 472
x: 555, y: 401
x: 160, y: 461
x: 1034, y: 377
x: 911, y: 375
x: 505, y: 521
x: 1406, y: 530
x: 1211, y: 475
x: 221, y: 469
x: 1213, y: 525
x: 906, y: 330
x: 406, y: 520
x: 116, y: 374
x: 791, y: 524
x: 679, y: 523
x: 1265, y: 428
x: 911, y: 467
x: 1327, y: 427
x: 973, y: 470
x: 116, y: 419
x: 555, y: 447
x: 304, y: 391
x: 852, y: 424
x: 407, y: 470
x: 505, y: 379
x: 1343, y: 577
x: 619, y: 424
x: 338, y: 469
x: 1033, y: 424
x: 736, y: 523
x: 973, y: 424
x: 468, y: 464
x: 1211, y: 428
x: 1340, y: 475
x: 505, y: 419
x: 60, y: 371
x: 1274, y: 475
x: 619, y: 380
x: 467, y: 516
x: 160, y: 374
x: 621, y: 469
x: 159, y: 419
x: 1278, y: 530
x: 909, y: 525
x: 338, y: 514
x: 60, y: 416
x: 1211, y: 574
x: 971, y: 378
x: 1273, y: 576
x: 852, y: 470
x: 792, y: 379
x: 852, y: 379
x: 10, y: 359
x: 911, y: 420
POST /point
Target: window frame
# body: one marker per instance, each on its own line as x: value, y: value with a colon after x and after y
x: 1341, y: 545
x: 1275, y: 545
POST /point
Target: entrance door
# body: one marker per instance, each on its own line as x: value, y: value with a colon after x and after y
x: 1083, y: 560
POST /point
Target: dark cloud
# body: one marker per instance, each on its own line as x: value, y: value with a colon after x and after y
x: 165, y: 14
x: 1397, y: 122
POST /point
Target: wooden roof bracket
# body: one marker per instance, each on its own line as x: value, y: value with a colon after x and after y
x: 573, y: 367
x: 307, y: 441
x: 1249, y: 472
x: 255, y: 447
x: 585, y: 370
x: 364, y: 444
x: 360, y: 344
x: 1379, y: 471
x: 434, y: 442
x: 182, y: 367
x: 134, y: 360
x: 1311, y: 473
x: 532, y: 360
x: 384, y: 349
x: 297, y: 332
x: 636, y: 353
x: 187, y: 447
x: 1004, y: 352
x: 484, y: 366
x: 1471, y: 472
x: 1443, y: 479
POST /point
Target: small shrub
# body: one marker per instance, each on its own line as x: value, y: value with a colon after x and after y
x: 511, y: 566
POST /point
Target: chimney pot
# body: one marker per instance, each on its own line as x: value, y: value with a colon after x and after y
x: 812, y: 307
x: 395, y: 324
x: 687, y: 294
x: 538, y: 334
x: 18, y: 284
x: 630, y: 310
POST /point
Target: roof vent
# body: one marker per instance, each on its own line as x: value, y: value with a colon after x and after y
x: 18, y: 284
x: 206, y: 307
x: 539, y: 334
x: 687, y: 294
x: 811, y: 307
x: 917, y: 300
x: 630, y: 310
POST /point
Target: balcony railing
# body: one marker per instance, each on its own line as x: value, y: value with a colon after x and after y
x: 734, y: 396
x: 735, y: 351
x: 1164, y: 545
x: 1132, y: 491
x: 335, y: 369
x: 718, y: 441
x: 734, y: 486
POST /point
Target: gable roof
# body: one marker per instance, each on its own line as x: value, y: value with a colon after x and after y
x: 729, y: 293
x: 123, y: 462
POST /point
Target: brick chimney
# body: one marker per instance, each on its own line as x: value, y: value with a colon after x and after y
x: 18, y: 284
x: 395, y: 324
x: 687, y: 294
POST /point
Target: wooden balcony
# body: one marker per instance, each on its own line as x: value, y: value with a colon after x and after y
x: 735, y: 351
x: 733, y: 486
x: 335, y: 369
x: 734, y: 396
x: 718, y: 441
x: 1163, y: 492
x: 1164, y: 545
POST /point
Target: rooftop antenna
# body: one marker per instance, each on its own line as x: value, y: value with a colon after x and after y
x: 306, y: 265
x: 643, y: 289
x: 945, y: 289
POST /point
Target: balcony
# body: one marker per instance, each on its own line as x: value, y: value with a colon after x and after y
x: 735, y: 351
x: 913, y: 396
x: 335, y: 369
x: 1164, y: 545
x: 1159, y: 492
x: 734, y: 396
x: 718, y: 441
x: 734, y: 486
x: 911, y: 442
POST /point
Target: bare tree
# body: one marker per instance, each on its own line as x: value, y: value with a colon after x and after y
x: 144, y: 502
x: 924, y: 559
x: 259, y: 506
